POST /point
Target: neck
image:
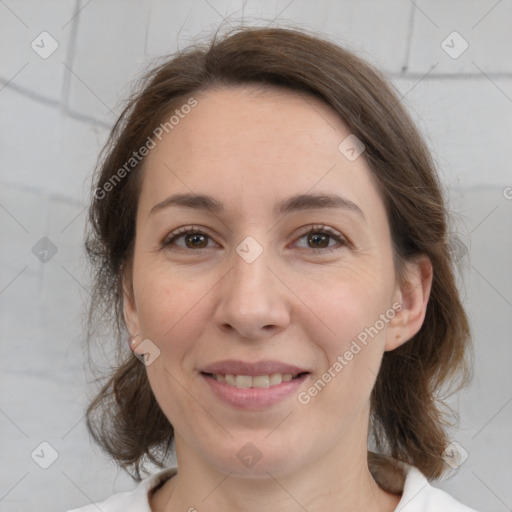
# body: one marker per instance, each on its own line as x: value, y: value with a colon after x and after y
x: 340, y: 480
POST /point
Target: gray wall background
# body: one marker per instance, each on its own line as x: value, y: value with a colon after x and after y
x: 56, y: 113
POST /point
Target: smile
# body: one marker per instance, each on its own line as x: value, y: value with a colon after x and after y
x: 256, y: 381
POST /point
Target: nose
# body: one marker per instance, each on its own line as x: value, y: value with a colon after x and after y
x: 253, y: 301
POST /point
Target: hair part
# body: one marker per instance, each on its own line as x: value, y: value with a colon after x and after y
x: 407, y: 421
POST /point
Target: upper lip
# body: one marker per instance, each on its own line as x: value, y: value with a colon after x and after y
x: 266, y: 367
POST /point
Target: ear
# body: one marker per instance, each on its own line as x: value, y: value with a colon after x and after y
x: 131, y: 317
x: 412, y: 295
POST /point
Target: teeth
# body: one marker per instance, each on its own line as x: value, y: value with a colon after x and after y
x: 258, y: 381
x: 276, y: 378
x: 243, y: 381
x: 261, y: 381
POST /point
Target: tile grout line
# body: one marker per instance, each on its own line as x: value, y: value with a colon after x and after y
x: 70, y: 57
x: 56, y: 104
x: 408, y: 44
x: 93, y: 121
x: 42, y: 194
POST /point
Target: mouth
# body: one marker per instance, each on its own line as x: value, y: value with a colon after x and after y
x: 254, y: 381
x: 253, y: 386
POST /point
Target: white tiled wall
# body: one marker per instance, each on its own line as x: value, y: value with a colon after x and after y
x: 55, y: 116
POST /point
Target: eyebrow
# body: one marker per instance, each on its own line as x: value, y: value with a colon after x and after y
x: 294, y: 203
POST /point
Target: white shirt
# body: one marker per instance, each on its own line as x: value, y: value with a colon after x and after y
x: 418, y: 496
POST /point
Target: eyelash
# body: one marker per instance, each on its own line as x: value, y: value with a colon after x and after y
x: 318, y: 229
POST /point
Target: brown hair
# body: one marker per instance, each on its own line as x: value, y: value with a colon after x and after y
x: 407, y: 420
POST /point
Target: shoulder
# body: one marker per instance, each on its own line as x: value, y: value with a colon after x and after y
x: 132, y: 501
x: 419, y: 496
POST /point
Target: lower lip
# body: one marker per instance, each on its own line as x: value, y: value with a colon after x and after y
x: 254, y: 398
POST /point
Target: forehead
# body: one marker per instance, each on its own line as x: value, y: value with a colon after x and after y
x: 247, y: 118
x: 252, y: 143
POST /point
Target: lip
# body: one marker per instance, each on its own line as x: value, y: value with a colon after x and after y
x: 253, y: 398
x: 266, y: 367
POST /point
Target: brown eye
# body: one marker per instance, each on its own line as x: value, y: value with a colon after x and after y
x: 196, y: 240
x: 323, y: 239
x: 190, y: 238
x: 319, y: 240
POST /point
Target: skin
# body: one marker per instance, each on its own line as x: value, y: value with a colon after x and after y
x: 299, y: 302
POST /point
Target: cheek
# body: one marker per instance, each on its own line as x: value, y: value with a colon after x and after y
x: 350, y: 328
x: 347, y: 300
x: 170, y: 308
x: 172, y: 316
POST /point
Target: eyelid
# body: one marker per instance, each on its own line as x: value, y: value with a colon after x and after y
x: 333, y: 233
x: 317, y: 228
x: 183, y: 231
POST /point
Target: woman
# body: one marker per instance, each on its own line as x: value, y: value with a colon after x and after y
x: 270, y: 234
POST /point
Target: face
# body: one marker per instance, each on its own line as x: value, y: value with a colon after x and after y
x: 260, y: 287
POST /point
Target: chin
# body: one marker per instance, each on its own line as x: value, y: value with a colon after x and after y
x: 254, y: 458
